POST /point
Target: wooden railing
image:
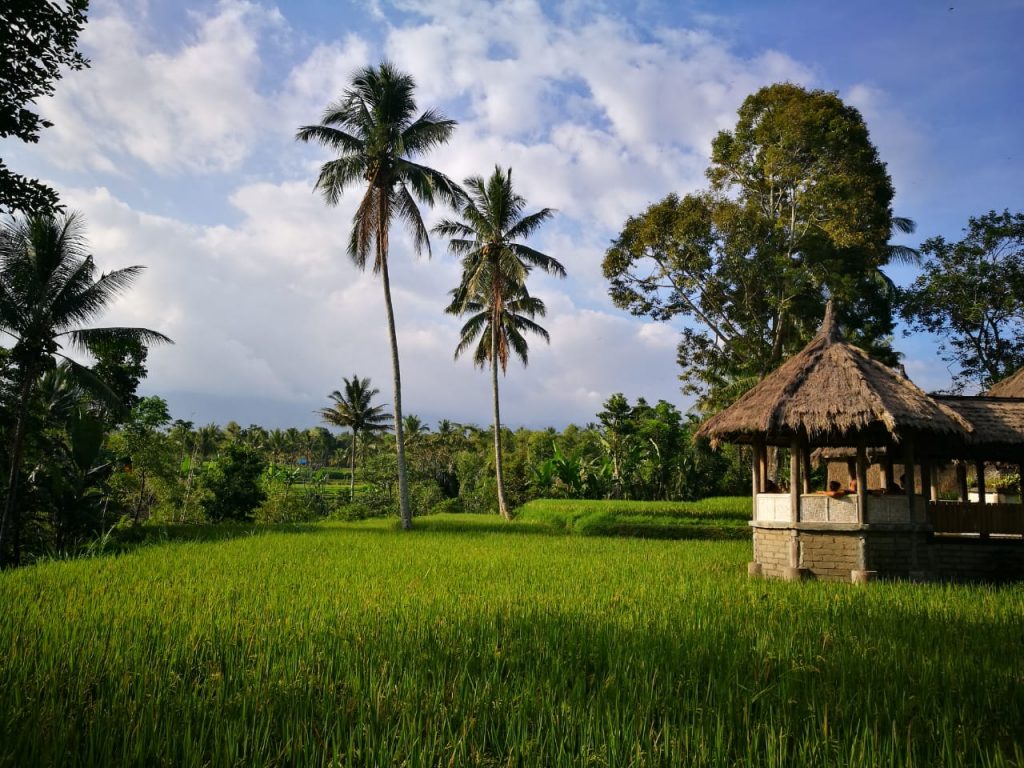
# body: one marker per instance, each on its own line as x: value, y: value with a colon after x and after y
x: 984, y: 519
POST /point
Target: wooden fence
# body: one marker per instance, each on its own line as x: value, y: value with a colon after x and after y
x: 984, y: 519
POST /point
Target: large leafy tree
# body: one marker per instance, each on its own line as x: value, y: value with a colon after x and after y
x: 494, y: 270
x: 376, y: 132
x: 971, y: 294
x: 37, y: 42
x: 353, y: 407
x: 798, y: 210
x: 48, y: 292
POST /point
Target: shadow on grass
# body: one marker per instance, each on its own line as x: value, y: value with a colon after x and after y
x: 128, y: 539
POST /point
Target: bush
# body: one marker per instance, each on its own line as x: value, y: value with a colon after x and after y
x: 447, y: 506
x: 233, y: 482
x: 350, y: 511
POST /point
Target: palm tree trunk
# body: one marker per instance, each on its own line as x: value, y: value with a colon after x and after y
x: 10, y: 523
x: 403, y: 482
x: 498, y: 472
x: 352, y: 471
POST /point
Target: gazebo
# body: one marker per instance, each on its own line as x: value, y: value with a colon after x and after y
x: 1011, y: 386
x: 833, y: 395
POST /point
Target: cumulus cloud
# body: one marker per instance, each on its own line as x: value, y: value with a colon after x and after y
x: 193, y: 109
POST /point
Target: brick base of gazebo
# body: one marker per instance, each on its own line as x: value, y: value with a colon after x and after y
x: 858, y: 553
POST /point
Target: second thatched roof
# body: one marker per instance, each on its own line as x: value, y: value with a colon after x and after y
x: 833, y: 393
x: 1011, y: 386
x: 998, y: 428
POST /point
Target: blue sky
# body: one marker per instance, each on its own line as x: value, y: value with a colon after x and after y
x: 177, y: 147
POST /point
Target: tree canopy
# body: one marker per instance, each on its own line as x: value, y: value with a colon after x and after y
x: 971, y: 294
x: 37, y: 41
x: 798, y: 210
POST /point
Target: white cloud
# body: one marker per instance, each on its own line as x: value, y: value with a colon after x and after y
x: 194, y: 109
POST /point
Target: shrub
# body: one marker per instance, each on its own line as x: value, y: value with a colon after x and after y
x: 233, y: 482
x: 447, y: 506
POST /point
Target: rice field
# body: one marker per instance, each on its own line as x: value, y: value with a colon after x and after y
x: 471, y: 642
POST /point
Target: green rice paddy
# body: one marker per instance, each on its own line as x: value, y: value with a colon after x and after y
x: 474, y: 642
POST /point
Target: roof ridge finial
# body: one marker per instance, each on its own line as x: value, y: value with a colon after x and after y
x: 829, y: 327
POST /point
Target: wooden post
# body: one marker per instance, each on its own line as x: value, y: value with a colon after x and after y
x: 887, y: 475
x: 909, y: 486
x: 806, y: 476
x: 762, y: 466
x: 961, y: 480
x: 794, y: 481
x: 1020, y: 475
x: 979, y: 470
x: 862, y: 481
x: 755, y: 471
x: 927, y: 490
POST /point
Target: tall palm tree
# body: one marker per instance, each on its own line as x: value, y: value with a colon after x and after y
x: 48, y: 290
x: 493, y: 288
x: 375, y: 131
x: 354, y: 409
x: 414, y: 427
x: 492, y: 336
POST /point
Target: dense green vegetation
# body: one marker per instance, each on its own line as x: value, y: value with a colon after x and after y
x: 473, y: 642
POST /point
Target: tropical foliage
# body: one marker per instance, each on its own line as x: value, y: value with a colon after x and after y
x: 971, y: 295
x: 49, y: 292
x: 37, y: 45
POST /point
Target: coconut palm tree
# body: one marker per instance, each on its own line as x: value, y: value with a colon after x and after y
x: 494, y: 270
x: 48, y: 290
x: 376, y: 133
x: 354, y: 409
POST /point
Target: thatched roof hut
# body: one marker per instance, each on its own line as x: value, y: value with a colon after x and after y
x: 832, y: 393
x: 1011, y: 386
x: 997, y: 428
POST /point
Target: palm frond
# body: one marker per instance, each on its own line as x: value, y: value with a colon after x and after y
x: 527, y: 225
x: 410, y: 213
x: 904, y: 254
x: 336, y: 175
x: 904, y: 225
x: 331, y: 138
x: 537, y: 259
x: 87, y: 339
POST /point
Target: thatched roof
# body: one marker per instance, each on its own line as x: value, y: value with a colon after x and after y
x: 834, y: 393
x: 998, y: 427
x: 1011, y: 386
